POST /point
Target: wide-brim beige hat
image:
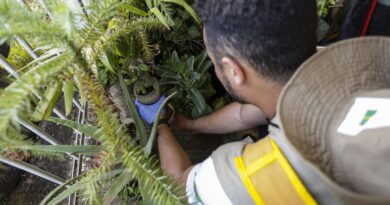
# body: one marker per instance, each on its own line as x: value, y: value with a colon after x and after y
x: 335, y: 111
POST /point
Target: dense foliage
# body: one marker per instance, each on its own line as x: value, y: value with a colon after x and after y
x: 81, y: 52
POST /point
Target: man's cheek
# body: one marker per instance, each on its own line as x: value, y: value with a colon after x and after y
x: 219, y: 74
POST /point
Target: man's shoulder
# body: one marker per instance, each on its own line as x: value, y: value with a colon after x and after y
x: 230, y: 150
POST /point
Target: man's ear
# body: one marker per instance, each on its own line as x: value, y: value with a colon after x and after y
x: 233, y: 71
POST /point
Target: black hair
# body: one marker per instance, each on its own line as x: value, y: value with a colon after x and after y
x: 273, y: 36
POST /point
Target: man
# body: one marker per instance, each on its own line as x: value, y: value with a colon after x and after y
x: 274, y: 48
x: 328, y: 141
x: 256, y: 46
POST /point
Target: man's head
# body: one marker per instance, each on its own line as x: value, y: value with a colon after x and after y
x: 257, y: 42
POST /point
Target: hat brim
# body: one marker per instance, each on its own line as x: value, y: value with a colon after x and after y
x: 320, y: 88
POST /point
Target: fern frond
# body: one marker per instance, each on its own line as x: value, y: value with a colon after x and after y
x: 168, y: 12
x: 143, y: 41
x: 78, y: 46
x: 12, y: 139
x: 97, y: 20
x: 160, y: 188
x: 137, y: 29
x: 142, y: 26
x: 95, y: 96
x: 14, y: 97
x: 118, y: 144
x: 18, y: 20
x: 14, y: 142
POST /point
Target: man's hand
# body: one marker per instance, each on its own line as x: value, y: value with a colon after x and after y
x: 181, y: 122
x: 149, y: 112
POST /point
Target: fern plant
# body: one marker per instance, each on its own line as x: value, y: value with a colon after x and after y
x: 73, y: 46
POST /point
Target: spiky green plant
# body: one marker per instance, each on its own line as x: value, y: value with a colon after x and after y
x: 73, y: 44
x: 323, y: 6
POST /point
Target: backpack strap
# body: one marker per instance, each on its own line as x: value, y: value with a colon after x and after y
x: 268, y: 176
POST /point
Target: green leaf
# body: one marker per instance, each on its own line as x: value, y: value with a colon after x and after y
x: 202, y: 64
x: 149, y: 4
x: 177, y: 65
x: 187, y: 7
x: 167, y: 81
x: 106, y: 62
x: 144, y: 67
x: 63, y: 16
x: 196, y: 76
x: 198, y: 100
x: 149, y: 146
x: 134, y: 10
x: 200, y: 59
x: 170, y: 75
x: 140, y: 128
x: 204, y: 67
x: 63, y: 195
x: 205, y: 78
x: 54, y: 191
x: 146, y: 199
x: 190, y: 63
x: 172, y: 90
x: 14, y: 97
x: 68, y: 90
x: 81, y: 89
x: 194, y: 32
x: 175, y: 58
x: 116, y: 187
x: 178, y: 22
x: 66, y: 184
x: 47, y: 103
x: 160, y: 17
x: 22, y: 22
x: 71, y: 149
x: 85, y: 129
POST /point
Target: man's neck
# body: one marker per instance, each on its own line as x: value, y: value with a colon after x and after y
x: 267, y: 99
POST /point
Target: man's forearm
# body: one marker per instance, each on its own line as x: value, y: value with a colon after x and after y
x: 174, y: 161
x: 231, y: 118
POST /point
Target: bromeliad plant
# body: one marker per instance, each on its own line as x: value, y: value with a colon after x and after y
x: 189, y: 77
x: 74, y: 47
